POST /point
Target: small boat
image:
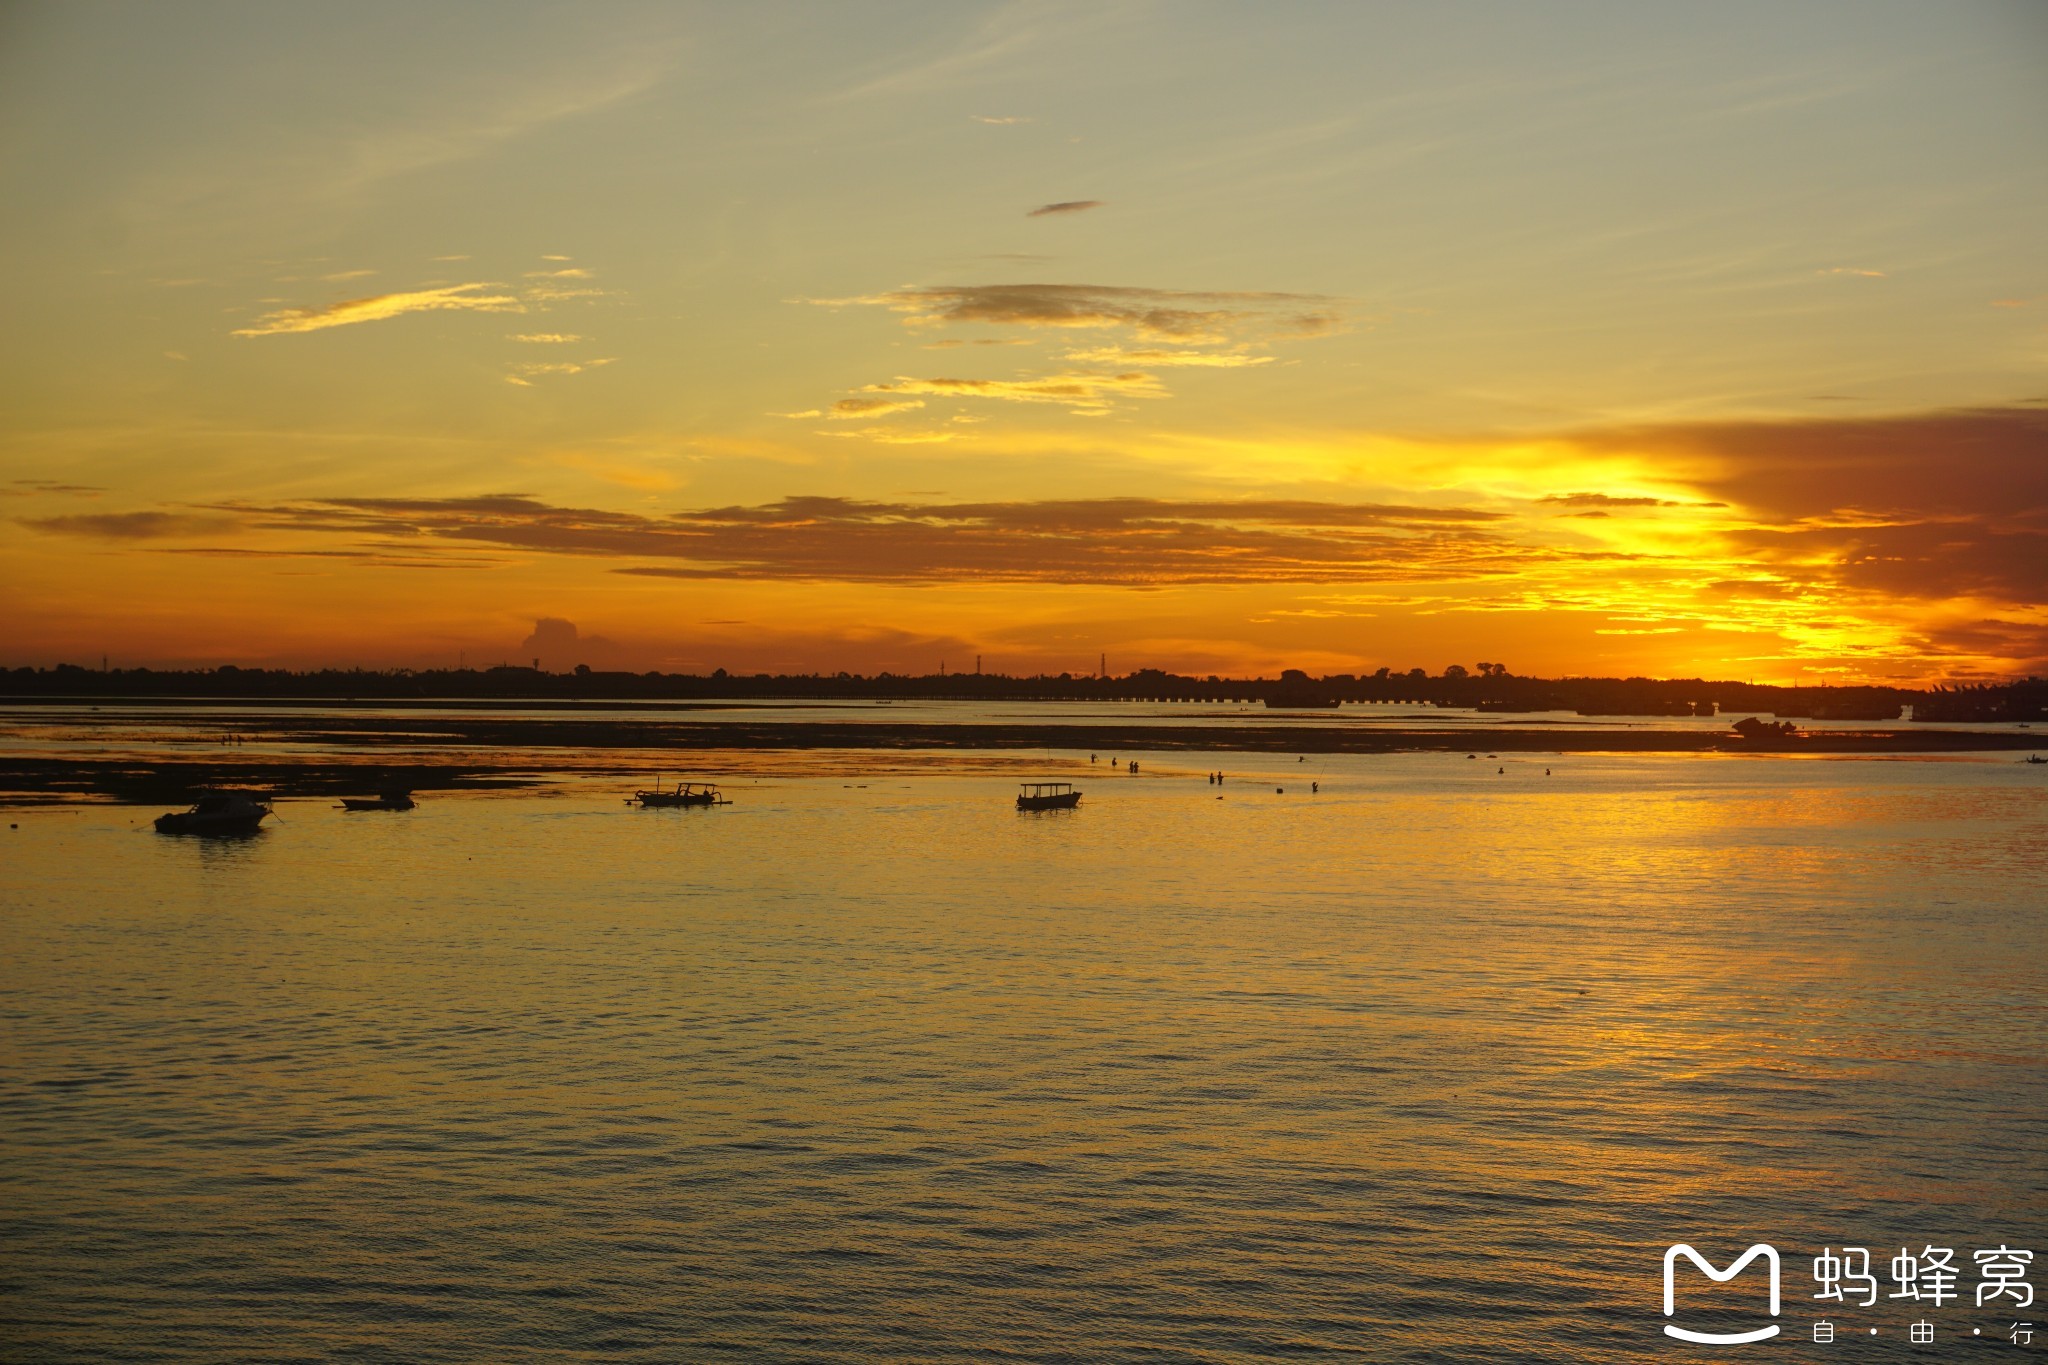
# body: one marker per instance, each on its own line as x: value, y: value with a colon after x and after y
x: 1047, y: 796
x: 381, y: 801
x: 217, y: 813
x: 2036, y: 758
x: 685, y: 794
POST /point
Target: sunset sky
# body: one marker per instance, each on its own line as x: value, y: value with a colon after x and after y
x: 1591, y: 338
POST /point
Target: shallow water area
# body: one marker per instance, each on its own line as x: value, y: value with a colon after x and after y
x: 1428, y: 1064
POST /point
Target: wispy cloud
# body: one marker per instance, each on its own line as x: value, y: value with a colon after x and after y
x: 525, y: 372
x: 626, y: 473
x: 400, y: 146
x: 1077, y: 390
x: 897, y: 436
x: 133, y: 525
x: 847, y: 409
x: 1003, y: 119
x: 1165, y: 314
x: 942, y: 62
x: 546, y: 338
x: 1116, y: 355
x: 33, y: 488
x: 1065, y: 206
x: 544, y: 291
x: 1852, y: 270
x: 1609, y: 500
x: 1235, y: 320
x: 437, y: 105
x: 378, y: 307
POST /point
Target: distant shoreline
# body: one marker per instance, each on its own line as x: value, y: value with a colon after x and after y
x: 1492, y: 690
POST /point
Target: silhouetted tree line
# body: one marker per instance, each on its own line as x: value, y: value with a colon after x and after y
x: 1491, y: 687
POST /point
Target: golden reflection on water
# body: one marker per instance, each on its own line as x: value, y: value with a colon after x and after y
x: 888, y: 1071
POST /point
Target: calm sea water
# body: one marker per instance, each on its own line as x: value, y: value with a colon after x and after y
x: 1429, y: 1065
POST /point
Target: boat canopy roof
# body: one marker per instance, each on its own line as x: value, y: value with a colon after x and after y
x: 214, y: 802
x: 1039, y: 788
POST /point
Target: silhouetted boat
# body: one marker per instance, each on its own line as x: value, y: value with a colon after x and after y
x: 217, y: 813
x: 685, y: 794
x: 2036, y: 758
x: 381, y: 801
x: 1047, y: 796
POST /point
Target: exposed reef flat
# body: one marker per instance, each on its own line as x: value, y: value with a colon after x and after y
x: 44, y: 781
x: 426, y: 753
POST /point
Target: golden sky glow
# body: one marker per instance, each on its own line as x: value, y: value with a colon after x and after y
x: 1591, y: 338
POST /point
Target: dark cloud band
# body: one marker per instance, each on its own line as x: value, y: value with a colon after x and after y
x: 1129, y: 541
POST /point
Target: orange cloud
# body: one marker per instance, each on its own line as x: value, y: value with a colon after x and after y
x: 378, y: 307
x: 895, y: 436
x: 133, y: 525
x: 1131, y: 541
x: 848, y: 409
x: 1117, y: 355
x: 1079, y: 391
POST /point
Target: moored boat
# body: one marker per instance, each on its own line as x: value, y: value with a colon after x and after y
x: 1047, y: 796
x: 217, y: 813
x: 381, y: 801
x: 685, y: 794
